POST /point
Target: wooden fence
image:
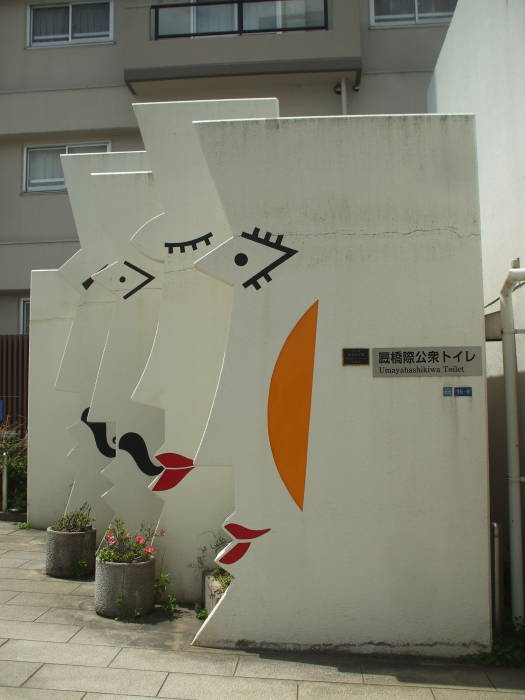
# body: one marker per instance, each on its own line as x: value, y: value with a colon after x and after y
x: 14, y: 366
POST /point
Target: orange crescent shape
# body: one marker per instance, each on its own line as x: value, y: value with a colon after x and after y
x: 289, y: 403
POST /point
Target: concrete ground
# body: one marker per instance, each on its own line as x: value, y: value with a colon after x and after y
x: 53, y: 646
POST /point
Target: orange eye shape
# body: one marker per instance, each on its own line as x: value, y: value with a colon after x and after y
x: 289, y: 402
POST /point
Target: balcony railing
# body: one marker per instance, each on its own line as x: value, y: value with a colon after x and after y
x: 197, y: 18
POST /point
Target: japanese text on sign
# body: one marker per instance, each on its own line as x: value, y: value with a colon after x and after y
x: 427, y: 362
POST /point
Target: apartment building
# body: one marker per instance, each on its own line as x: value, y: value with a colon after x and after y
x: 69, y: 72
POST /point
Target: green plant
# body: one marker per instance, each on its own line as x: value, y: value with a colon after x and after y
x: 126, y: 613
x: 75, y: 521
x: 80, y: 568
x: 170, y: 604
x: 207, y: 553
x: 161, y: 586
x: 119, y: 545
x: 13, y: 448
x: 24, y: 526
x: 508, y: 649
x: 223, y: 578
x: 167, y: 601
x: 202, y: 614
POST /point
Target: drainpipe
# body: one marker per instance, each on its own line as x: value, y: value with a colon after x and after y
x: 344, y: 96
x: 4, y: 482
x: 510, y: 371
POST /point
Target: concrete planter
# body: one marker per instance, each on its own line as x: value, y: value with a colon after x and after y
x: 131, y: 583
x: 70, y: 554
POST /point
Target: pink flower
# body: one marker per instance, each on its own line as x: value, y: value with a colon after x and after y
x: 149, y: 550
x: 139, y: 539
x: 159, y: 533
x: 111, y: 536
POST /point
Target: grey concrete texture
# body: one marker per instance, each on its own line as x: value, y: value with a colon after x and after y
x: 122, y: 588
x: 70, y: 554
x: 54, y: 646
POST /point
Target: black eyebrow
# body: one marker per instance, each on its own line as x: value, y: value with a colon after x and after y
x: 89, y: 280
x: 276, y: 245
x: 185, y: 244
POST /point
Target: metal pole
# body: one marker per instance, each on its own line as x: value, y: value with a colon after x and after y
x: 496, y: 552
x: 4, y: 482
x: 344, y: 96
x: 510, y: 371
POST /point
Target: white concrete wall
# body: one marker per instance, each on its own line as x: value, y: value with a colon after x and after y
x: 480, y: 71
x: 390, y: 552
x: 49, y: 474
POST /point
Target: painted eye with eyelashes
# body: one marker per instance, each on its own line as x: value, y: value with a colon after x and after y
x: 241, y: 259
x: 247, y: 260
x: 194, y: 243
x: 124, y: 277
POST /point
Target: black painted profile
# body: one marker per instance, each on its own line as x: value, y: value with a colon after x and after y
x: 134, y: 445
x: 99, y: 431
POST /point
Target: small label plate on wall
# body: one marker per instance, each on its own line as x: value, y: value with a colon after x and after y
x: 457, y: 391
x: 356, y: 356
x: 462, y: 391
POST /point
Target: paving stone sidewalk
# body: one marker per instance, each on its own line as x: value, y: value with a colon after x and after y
x: 54, y: 647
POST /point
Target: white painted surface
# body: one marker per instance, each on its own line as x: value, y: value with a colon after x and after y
x: 123, y: 202
x: 479, y: 70
x: 110, y: 344
x: 180, y: 376
x: 50, y: 473
x: 391, y: 551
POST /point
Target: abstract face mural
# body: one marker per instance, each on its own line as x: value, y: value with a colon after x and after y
x: 268, y: 486
x: 327, y: 528
x: 126, y: 192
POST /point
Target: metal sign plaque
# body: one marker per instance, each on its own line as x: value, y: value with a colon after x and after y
x: 356, y: 356
x: 462, y: 361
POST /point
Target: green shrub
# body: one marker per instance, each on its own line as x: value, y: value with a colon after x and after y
x: 75, y: 521
x: 119, y: 545
x: 13, y: 444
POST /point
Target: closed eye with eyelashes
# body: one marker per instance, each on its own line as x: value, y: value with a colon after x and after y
x: 193, y: 243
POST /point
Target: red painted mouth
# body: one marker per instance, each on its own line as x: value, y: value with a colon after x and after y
x: 240, y: 533
x: 244, y: 533
x: 235, y: 553
x: 176, y: 468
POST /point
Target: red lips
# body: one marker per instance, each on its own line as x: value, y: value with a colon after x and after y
x: 177, y: 467
x: 244, y: 533
x: 240, y: 533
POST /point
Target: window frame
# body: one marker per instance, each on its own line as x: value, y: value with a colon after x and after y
x: 416, y: 22
x: 53, y: 188
x: 24, y: 315
x: 69, y: 42
x: 238, y: 31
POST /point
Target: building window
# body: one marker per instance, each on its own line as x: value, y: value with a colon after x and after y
x: 24, y: 316
x: 206, y: 17
x: 399, y: 12
x: 43, y: 170
x: 70, y: 23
